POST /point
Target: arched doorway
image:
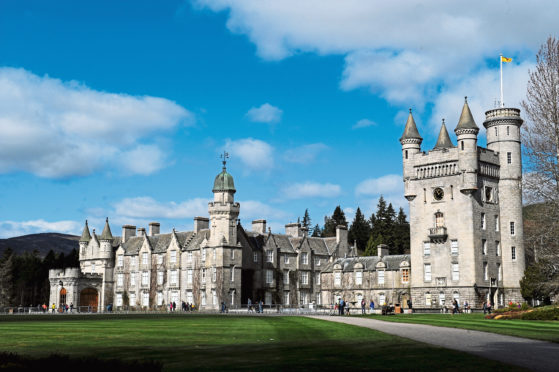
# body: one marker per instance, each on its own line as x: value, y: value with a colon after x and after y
x: 89, y: 299
x: 62, y: 297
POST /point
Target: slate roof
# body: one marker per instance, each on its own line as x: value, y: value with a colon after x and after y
x: 369, y: 262
x: 444, y: 141
x: 410, y: 131
x: 86, y: 236
x: 466, y: 119
x: 107, y: 235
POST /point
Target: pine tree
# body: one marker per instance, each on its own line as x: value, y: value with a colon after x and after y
x: 6, y: 278
x: 306, y: 220
x: 316, y: 231
x: 359, y: 231
x: 373, y: 243
x: 330, y: 223
x: 402, y: 233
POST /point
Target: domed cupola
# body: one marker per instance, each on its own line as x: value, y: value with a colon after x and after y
x: 224, y: 182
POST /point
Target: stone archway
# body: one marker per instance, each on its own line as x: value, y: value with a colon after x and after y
x: 89, y: 299
x: 62, y: 297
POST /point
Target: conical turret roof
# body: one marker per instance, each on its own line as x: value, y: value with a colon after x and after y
x: 410, y: 132
x: 444, y: 141
x: 107, y: 235
x: 86, y: 236
x: 466, y: 119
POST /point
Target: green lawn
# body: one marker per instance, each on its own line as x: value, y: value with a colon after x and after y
x: 227, y: 342
x: 536, y: 329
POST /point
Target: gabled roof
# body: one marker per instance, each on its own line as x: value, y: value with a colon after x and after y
x: 369, y: 263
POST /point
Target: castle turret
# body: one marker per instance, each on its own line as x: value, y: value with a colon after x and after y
x: 84, y: 241
x: 466, y: 133
x: 503, y: 137
x: 444, y: 141
x: 223, y: 211
x: 411, y: 145
x: 106, y: 241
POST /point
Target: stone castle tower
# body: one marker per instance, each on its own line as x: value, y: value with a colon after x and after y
x: 466, y: 233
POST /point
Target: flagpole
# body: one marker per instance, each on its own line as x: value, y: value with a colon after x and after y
x: 501, y: 67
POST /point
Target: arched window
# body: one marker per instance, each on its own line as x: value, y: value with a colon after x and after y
x: 439, y: 219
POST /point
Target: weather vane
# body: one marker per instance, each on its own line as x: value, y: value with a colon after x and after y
x: 224, y: 156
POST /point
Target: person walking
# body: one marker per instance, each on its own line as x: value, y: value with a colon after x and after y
x: 249, y: 305
x: 341, y: 307
x: 363, y: 306
x: 372, y: 306
x: 485, y: 307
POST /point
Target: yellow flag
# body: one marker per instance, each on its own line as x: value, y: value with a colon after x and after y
x: 505, y: 59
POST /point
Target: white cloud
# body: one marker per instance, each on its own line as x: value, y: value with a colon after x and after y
x: 404, y: 51
x: 59, y: 129
x: 304, y: 154
x: 311, y: 190
x: 10, y: 229
x: 255, y: 154
x: 364, y: 123
x: 149, y: 208
x: 265, y: 114
x: 388, y: 184
x: 253, y: 209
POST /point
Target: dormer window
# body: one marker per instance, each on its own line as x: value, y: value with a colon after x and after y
x: 439, y: 219
x: 173, y: 258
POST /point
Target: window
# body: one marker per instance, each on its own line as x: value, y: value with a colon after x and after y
x: 203, y: 298
x: 405, y: 276
x: 406, y: 152
x: 461, y: 145
x: 120, y: 260
x: 497, y: 248
x: 483, y: 221
x: 203, y: 254
x: 454, y: 247
x: 145, y: 277
x: 134, y: 261
x: 455, y: 271
x: 233, y: 297
x: 189, y: 276
x: 92, y: 267
x: 496, y: 131
x: 285, y: 259
x: 269, y: 276
x: 159, y: 259
x: 513, y: 253
x: 132, y: 279
x: 427, y: 272
x: 119, y: 280
x: 160, y: 277
x: 159, y: 298
x: 483, y: 246
x: 255, y: 257
x: 286, y: 298
x: 269, y: 256
x: 317, y: 279
x: 512, y: 228
x: 189, y: 256
x: 337, y: 279
x: 359, y: 278
x: 427, y: 299
x: 145, y: 299
x: 232, y: 254
x: 317, y: 261
x: 509, y: 158
x: 381, y: 299
x: 173, y: 258
x: 214, y: 297
x: 118, y: 299
x: 304, y: 277
x: 285, y: 277
x: 426, y: 248
x: 380, y: 277
x: 499, y: 272
x: 203, y: 275
x: 132, y: 299
x: 318, y: 299
x: 488, y: 194
x: 144, y: 258
x: 214, y: 254
x: 508, y: 131
x: 232, y: 274
x: 485, y: 271
x: 439, y: 219
x: 496, y: 222
x: 214, y: 274
x: 304, y: 258
x: 441, y: 299
x: 268, y: 298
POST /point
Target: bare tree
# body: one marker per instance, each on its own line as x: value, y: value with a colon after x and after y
x: 540, y: 137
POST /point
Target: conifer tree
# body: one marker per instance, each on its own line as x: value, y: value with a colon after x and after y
x: 359, y: 231
x: 330, y: 223
x: 6, y: 278
x: 306, y: 219
x: 316, y: 231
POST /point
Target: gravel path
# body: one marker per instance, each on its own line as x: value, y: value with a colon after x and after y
x: 532, y: 354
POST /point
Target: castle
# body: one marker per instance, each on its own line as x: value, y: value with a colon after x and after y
x: 466, y: 242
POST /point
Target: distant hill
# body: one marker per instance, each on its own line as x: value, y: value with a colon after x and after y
x: 43, y: 243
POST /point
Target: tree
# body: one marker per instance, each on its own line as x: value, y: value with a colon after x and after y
x: 539, y: 283
x: 359, y: 231
x: 6, y: 277
x: 401, y: 240
x: 330, y: 223
x: 540, y: 137
x: 316, y: 231
x: 306, y: 220
x: 373, y: 243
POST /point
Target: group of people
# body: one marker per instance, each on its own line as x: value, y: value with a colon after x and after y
x: 487, y: 307
x: 65, y: 308
x: 259, y: 306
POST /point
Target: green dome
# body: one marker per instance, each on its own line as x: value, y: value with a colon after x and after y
x: 224, y: 182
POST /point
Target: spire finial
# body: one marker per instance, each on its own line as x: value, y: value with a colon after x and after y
x: 466, y: 99
x: 410, y: 110
x: 443, y: 121
x: 107, y: 219
x: 224, y: 156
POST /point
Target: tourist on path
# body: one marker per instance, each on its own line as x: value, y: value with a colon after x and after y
x: 363, y: 306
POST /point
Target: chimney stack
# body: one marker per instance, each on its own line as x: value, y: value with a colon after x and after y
x: 382, y: 250
x: 154, y: 228
x: 259, y: 226
x: 201, y: 223
x: 128, y: 231
x: 294, y: 230
x: 141, y: 231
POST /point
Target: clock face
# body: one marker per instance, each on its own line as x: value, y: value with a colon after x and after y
x: 438, y: 193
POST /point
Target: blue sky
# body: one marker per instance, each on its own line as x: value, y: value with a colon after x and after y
x: 121, y: 109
